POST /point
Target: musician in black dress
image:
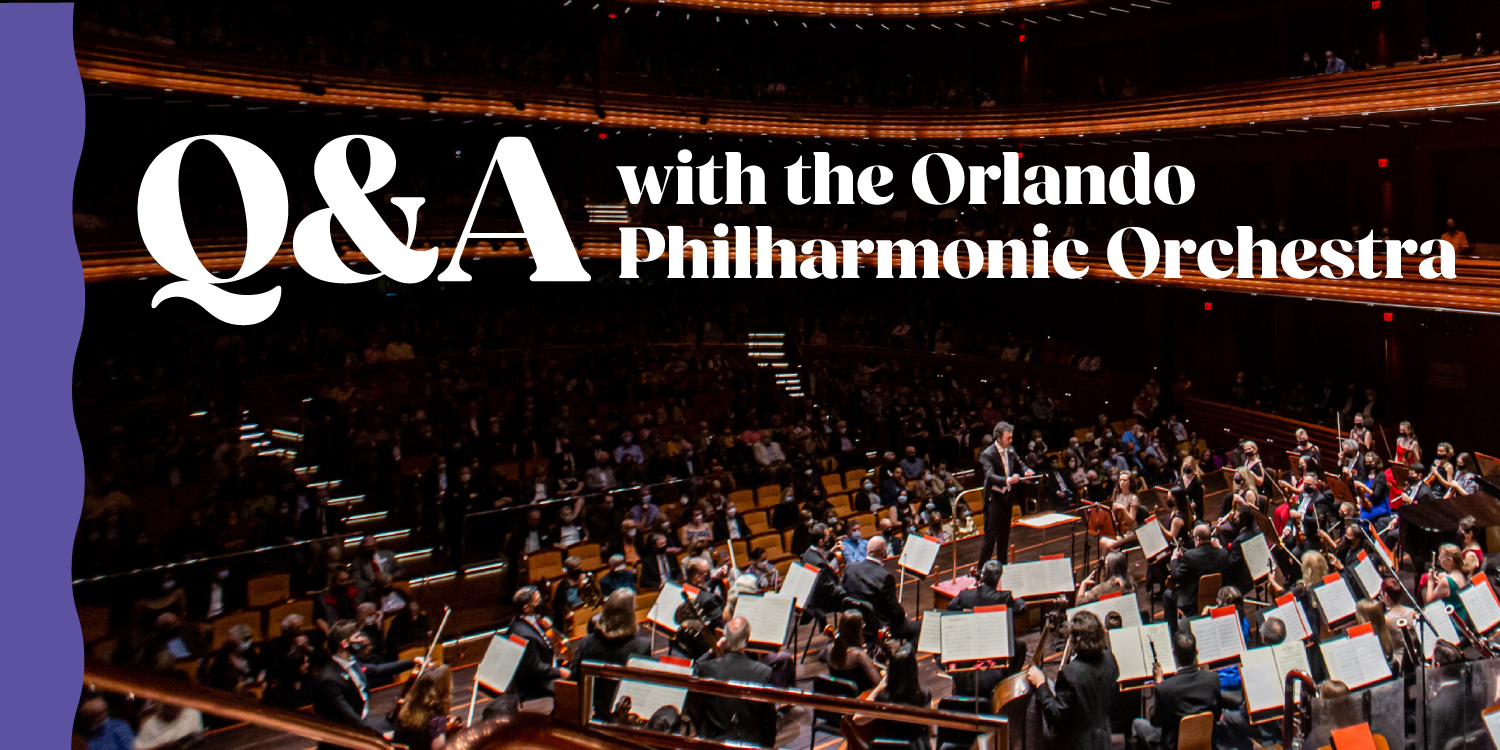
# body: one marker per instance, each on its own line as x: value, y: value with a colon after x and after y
x: 1003, y: 470
x: 1078, y: 708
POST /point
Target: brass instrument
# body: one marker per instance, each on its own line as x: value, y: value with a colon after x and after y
x: 1486, y: 649
x: 1297, y: 718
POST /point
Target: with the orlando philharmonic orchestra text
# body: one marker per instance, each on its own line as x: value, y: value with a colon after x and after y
x: 159, y: 213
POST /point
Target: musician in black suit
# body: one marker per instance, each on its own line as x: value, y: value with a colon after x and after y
x: 722, y: 718
x: 1190, y: 691
x: 659, y: 566
x: 1079, y: 707
x: 710, y: 605
x: 982, y: 682
x: 827, y: 595
x: 341, y: 687
x: 869, y: 582
x: 1002, y: 469
x: 1187, y: 567
x: 538, y: 668
x: 1237, y: 574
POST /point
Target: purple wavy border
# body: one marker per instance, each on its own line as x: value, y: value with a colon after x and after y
x: 41, y: 306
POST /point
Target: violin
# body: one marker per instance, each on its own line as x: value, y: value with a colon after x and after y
x: 560, y: 650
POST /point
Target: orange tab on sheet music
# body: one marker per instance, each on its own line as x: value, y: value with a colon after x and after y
x: 1223, y: 611
x: 1358, y: 630
x: 1478, y: 579
x: 1110, y: 596
x: 933, y: 539
x: 991, y: 608
x: 676, y: 660
x: 1330, y: 578
x: 690, y: 591
x: 1057, y: 556
x: 1357, y: 737
x: 518, y: 640
x: 1362, y: 556
x: 1285, y: 598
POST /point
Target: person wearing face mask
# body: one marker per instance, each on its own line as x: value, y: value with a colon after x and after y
x: 237, y: 666
x: 659, y: 565
x: 855, y: 547
x: 341, y: 688
x: 696, y: 528
x: 730, y: 526
x: 644, y: 512
x: 867, y: 499
x: 620, y: 576
x: 372, y: 625
x: 784, y: 515
x: 893, y: 538
x: 339, y: 600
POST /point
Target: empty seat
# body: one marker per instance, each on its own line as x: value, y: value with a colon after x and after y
x: 544, y: 564
x: 270, y: 588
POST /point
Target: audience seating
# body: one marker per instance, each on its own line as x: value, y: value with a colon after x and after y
x: 581, y: 617
x: 841, y: 504
x: 276, y: 614
x: 544, y: 564
x: 265, y: 590
x: 223, y: 623
x: 758, y: 521
x: 833, y: 484
x: 853, y: 478
x: 739, y: 497
x: 588, y: 553
x: 767, y: 494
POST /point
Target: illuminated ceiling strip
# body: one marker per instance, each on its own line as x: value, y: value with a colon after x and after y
x: 1461, y: 83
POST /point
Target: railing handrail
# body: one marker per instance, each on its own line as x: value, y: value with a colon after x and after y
x: 589, y: 670
x: 153, y: 686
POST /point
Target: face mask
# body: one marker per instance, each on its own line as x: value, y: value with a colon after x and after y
x: 246, y: 644
x: 854, y: 535
x: 730, y: 513
x: 168, y: 585
x: 953, y: 490
x: 869, y: 486
x: 630, y: 533
x: 223, y: 575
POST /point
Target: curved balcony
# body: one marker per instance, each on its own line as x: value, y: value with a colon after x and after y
x: 1394, y: 93
x: 1476, y: 288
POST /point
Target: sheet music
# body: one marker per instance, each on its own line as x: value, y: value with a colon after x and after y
x: 1369, y: 578
x: 930, y: 640
x: 1132, y: 650
x: 664, y: 611
x: 1153, y: 541
x: 1437, y: 617
x: 1038, y: 578
x: 1479, y: 600
x: 499, y: 663
x: 768, y: 616
x: 1134, y: 661
x: 1126, y: 606
x: 1290, y: 655
x: 799, y: 582
x: 919, y: 553
x: 1335, y: 599
x: 647, y: 697
x: 1046, y: 520
x: 1219, y: 638
x: 1257, y: 556
x: 1259, y: 675
x: 1356, y: 661
x: 970, y: 636
x: 1289, y: 611
x: 1161, y: 635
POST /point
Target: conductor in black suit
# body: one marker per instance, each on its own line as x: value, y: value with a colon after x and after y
x: 1187, y: 567
x: 1079, y: 707
x: 1190, y: 691
x: 869, y: 581
x: 988, y: 593
x: 341, y: 687
x: 1002, y: 469
x: 722, y: 718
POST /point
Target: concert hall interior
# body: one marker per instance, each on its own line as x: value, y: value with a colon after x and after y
x: 476, y: 515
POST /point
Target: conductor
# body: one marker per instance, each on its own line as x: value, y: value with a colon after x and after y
x: 1003, y: 469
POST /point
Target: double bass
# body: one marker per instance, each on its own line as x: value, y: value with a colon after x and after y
x: 1012, y: 697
